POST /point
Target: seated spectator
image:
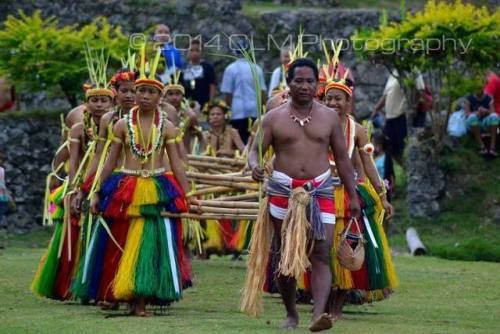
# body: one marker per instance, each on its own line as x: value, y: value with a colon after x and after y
x: 482, y: 118
x: 221, y: 140
x: 492, y: 88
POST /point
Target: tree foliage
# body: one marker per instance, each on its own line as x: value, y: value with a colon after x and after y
x: 37, y: 54
x: 449, y: 42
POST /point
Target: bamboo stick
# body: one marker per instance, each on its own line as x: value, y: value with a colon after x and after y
x: 234, y: 185
x: 211, y: 165
x: 229, y: 204
x: 243, y: 197
x: 221, y: 177
x: 230, y: 161
x: 212, y: 190
x: 209, y: 209
x: 217, y: 216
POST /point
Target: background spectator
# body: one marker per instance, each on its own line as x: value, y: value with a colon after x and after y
x: 394, y: 103
x: 278, y: 75
x: 383, y: 162
x: 198, y: 78
x: 239, y: 89
x: 424, y: 102
x: 7, y: 95
x: 172, y: 55
x: 492, y: 88
x: 4, y: 195
x: 482, y: 118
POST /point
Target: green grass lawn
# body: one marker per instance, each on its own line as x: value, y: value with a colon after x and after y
x: 435, y: 296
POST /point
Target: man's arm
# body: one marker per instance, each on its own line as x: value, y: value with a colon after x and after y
x: 213, y: 84
x: 343, y: 163
x: 253, y: 159
x: 227, y: 86
x: 380, y: 104
x: 212, y: 91
x: 229, y: 99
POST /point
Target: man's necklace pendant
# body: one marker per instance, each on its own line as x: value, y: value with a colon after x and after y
x: 301, y: 122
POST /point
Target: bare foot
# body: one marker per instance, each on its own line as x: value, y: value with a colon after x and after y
x: 320, y: 324
x: 140, y: 308
x: 290, y: 323
x: 336, y: 316
x: 109, y: 306
x: 142, y: 313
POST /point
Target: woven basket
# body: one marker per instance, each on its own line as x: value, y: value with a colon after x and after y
x: 349, y: 258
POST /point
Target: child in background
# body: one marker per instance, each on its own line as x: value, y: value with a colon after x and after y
x: 384, y: 163
x: 4, y: 196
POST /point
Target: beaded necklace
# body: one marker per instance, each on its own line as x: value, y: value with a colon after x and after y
x: 142, y: 148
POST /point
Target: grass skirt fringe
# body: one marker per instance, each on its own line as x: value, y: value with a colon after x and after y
x: 377, y: 276
x: 241, y: 239
x: 86, y: 282
x: 45, y: 277
x: 68, y: 265
x: 152, y: 265
x: 56, y: 269
x: 214, y: 243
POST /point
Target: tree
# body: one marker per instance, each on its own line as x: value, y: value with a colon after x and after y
x: 450, y: 43
x: 38, y: 55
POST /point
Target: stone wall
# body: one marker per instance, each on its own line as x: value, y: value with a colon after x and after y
x: 29, y: 145
x: 426, y: 181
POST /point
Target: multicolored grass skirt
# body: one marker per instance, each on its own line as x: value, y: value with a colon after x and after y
x: 152, y: 264
x: 376, y: 277
x: 56, y: 269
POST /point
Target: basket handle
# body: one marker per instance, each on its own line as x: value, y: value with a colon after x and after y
x: 344, y: 235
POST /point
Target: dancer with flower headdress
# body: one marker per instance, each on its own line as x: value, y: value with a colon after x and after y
x: 375, y: 275
x: 220, y: 140
x: 101, y: 258
x: 182, y: 116
x: 57, y: 269
x: 153, y: 268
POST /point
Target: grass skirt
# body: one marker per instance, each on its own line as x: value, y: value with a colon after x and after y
x: 53, y: 276
x: 377, y: 276
x: 152, y: 264
x: 240, y: 241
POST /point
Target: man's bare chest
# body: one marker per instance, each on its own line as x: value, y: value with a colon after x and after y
x: 288, y: 131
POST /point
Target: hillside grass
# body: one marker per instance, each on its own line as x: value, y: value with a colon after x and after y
x: 435, y: 296
x: 466, y: 228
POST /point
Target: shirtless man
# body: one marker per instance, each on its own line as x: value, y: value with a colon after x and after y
x: 301, y: 133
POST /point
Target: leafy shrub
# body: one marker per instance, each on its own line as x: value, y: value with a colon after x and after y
x: 36, y: 54
x: 449, y: 42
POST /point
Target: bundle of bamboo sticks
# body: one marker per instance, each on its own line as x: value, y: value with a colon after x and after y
x: 233, y: 192
x: 216, y: 165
